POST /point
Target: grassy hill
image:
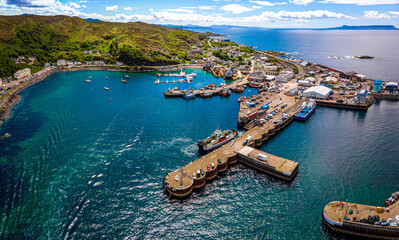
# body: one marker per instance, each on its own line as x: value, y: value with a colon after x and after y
x: 49, y: 38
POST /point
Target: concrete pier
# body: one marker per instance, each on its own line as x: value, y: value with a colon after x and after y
x: 181, y: 182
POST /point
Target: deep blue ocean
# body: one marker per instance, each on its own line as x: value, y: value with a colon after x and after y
x: 85, y: 163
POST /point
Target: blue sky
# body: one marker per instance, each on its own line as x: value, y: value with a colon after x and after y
x: 280, y: 13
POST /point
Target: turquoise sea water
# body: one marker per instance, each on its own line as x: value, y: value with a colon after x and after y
x: 85, y: 163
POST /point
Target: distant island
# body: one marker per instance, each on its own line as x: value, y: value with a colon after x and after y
x: 365, y: 27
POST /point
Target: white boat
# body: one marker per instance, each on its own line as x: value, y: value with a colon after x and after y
x: 106, y: 89
x: 88, y: 81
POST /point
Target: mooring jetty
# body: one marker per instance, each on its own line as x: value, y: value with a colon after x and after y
x: 362, y: 220
x: 181, y: 182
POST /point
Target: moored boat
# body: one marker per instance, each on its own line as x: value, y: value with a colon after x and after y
x: 239, y: 89
x: 106, y: 77
x: 306, y: 110
x: 206, y: 95
x: 126, y: 76
x: 173, y: 93
x: 88, y: 81
x: 254, y: 85
x: 123, y: 80
x: 217, y: 139
x: 189, y: 95
x: 225, y: 92
x: 106, y: 89
x: 393, y: 199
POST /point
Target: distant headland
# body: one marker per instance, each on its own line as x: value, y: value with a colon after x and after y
x: 365, y: 27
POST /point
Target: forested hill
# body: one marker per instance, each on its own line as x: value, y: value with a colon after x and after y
x: 49, y: 38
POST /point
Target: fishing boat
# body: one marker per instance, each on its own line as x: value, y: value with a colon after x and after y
x: 225, y: 92
x: 206, y: 95
x: 123, y: 80
x: 189, y: 95
x: 306, y: 110
x: 88, y: 81
x: 217, y: 139
x: 254, y: 85
x: 126, y: 76
x: 106, y: 89
x: 210, y: 86
x: 393, y: 199
x: 173, y: 93
x: 238, y: 89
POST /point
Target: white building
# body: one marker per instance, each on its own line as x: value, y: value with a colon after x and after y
x: 320, y: 92
x: 271, y: 68
x: 22, y: 73
x: 61, y: 62
x: 305, y: 83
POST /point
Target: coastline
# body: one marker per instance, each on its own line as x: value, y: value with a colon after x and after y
x: 12, y: 97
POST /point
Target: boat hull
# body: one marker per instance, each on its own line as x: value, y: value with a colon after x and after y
x: 304, y: 117
x: 202, y: 147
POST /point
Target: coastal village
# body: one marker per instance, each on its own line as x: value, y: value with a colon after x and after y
x: 285, y: 88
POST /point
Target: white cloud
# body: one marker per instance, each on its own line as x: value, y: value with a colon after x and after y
x: 128, y: 9
x: 394, y: 13
x: 173, y: 17
x: 237, y: 8
x: 206, y: 7
x: 112, y: 8
x: 362, y: 2
x: 42, y: 2
x: 267, y: 4
x: 301, y: 2
x: 75, y: 5
x: 376, y: 15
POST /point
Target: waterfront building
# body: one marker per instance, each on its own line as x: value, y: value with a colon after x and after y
x: 320, y: 92
x: 22, y: 73
x: 61, y: 62
x: 391, y: 86
x: 362, y: 96
x: 377, y: 86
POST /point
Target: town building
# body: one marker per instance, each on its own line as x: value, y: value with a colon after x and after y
x: 320, y: 92
x: 22, y: 73
x: 61, y: 62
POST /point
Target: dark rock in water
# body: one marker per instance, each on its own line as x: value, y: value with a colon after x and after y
x: 365, y: 57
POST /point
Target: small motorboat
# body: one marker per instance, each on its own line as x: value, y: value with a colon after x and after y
x: 106, y: 77
x: 123, y: 80
x: 126, y: 76
x: 88, y: 81
x: 90, y: 77
x: 189, y: 95
x: 106, y: 89
x: 206, y: 95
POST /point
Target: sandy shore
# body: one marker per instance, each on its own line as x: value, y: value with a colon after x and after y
x: 12, y: 98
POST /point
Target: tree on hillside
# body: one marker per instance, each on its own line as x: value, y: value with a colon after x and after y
x: 132, y: 56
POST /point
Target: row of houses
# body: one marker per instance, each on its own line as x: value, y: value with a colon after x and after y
x: 22, y: 73
x: 62, y: 62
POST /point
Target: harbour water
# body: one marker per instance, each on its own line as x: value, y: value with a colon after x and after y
x: 86, y: 163
x: 317, y: 45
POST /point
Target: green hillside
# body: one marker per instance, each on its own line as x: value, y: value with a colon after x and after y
x: 49, y: 38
